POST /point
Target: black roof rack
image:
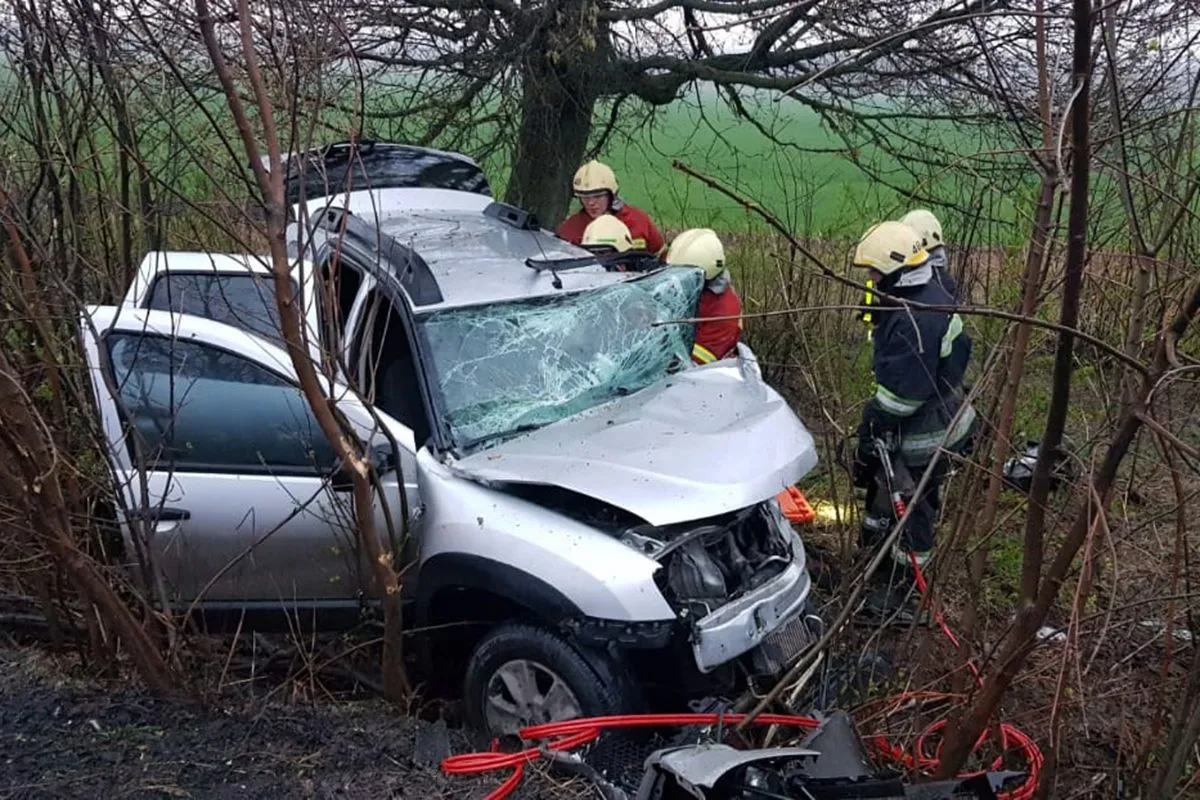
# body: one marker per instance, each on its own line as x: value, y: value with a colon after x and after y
x: 511, y: 215
x: 413, y: 272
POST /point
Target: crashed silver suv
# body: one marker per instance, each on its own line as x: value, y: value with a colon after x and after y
x: 589, y: 513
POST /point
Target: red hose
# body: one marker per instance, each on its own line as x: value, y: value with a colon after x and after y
x: 569, y: 734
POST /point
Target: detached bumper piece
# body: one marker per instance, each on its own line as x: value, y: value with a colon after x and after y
x: 831, y: 762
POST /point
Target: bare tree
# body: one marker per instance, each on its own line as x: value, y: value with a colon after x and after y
x: 561, y: 63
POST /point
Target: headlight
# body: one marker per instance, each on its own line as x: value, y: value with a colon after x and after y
x: 645, y: 545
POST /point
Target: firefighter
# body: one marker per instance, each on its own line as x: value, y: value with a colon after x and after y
x: 920, y: 359
x: 718, y: 338
x: 607, y: 234
x: 929, y: 228
x: 611, y: 241
x: 596, y: 187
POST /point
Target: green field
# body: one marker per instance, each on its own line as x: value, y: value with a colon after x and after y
x: 816, y: 194
x: 809, y: 181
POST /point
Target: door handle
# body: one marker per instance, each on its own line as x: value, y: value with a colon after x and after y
x: 161, y: 515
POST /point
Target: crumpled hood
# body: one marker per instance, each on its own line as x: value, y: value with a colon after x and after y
x: 704, y: 442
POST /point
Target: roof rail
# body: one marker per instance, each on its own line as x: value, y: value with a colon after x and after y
x: 518, y: 218
x: 413, y: 272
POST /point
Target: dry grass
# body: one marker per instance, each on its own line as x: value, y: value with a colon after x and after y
x: 1110, y: 684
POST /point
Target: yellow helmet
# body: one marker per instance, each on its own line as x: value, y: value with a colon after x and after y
x: 889, y: 246
x: 608, y: 231
x: 698, y: 247
x: 926, y: 225
x: 594, y: 177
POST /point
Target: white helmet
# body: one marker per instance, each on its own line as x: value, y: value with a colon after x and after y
x: 698, y: 247
x: 890, y: 246
x: 926, y: 225
x: 594, y: 177
x: 608, y: 231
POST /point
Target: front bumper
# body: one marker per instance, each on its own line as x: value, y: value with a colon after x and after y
x: 740, y: 626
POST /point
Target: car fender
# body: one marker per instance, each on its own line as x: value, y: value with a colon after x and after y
x: 527, y: 553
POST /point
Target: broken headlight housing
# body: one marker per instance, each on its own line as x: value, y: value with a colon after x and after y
x: 710, y: 562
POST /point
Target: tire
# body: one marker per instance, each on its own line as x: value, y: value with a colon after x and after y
x: 598, y: 684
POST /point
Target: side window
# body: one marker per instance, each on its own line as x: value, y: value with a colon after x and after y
x: 197, y: 408
x: 244, y: 301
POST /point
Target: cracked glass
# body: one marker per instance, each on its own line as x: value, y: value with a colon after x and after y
x: 511, y: 367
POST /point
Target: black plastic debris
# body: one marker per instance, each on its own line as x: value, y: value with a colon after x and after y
x: 832, y: 762
x: 840, y: 748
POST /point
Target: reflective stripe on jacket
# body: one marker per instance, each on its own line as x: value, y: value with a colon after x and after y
x: 920, y: 359
x: 717, y: 339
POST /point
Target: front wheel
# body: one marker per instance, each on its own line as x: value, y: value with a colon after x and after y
x: 521, y: 675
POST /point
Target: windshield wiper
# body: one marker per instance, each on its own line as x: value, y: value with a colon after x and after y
x: 502, y: 435
x: 561, y: 264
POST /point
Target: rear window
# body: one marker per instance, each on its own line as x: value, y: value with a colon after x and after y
x: 243, y: 301
x: 368, y: 166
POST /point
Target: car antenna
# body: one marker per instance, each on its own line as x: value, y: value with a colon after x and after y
x: 556, y: 281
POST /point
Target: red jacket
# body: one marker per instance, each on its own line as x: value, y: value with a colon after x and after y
x: 716, y: 340
x: 645, y: 234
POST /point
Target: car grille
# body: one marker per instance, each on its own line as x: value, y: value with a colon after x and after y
x: 781, y: 647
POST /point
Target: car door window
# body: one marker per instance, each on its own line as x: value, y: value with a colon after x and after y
x: 197, y: 408
x: 244, y: 301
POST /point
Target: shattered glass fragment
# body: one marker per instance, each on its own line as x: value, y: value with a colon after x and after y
x: 509, y: 367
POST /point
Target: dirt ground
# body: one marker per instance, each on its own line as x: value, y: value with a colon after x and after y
x: 66, y: 739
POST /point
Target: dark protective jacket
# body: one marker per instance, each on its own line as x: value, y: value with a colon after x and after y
x: 920, y: 360
x: 941, y: 271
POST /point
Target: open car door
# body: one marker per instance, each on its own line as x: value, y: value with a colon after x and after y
x: 351, y: 166
x: 235, y: 289
x: 228, y: 482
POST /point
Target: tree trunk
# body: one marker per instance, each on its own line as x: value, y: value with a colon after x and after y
x: 558, y: 96
x: 349, y: 448
x: 32, y: 470
x: 1036, y: 598
x: 1064, y: 357
x: 1032, y: 283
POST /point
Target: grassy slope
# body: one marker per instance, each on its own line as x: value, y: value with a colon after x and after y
x: 815, y: 193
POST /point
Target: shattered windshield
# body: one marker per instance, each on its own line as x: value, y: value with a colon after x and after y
x: 509, y: 367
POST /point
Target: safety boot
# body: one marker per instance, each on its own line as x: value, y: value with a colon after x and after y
x: 893, y: 597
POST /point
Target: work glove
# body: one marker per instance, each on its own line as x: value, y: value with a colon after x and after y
x: 876, y: 424
x: 866, y: 461
x: 863, y: 469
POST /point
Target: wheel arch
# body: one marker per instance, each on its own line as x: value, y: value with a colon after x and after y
x: 446, y: 574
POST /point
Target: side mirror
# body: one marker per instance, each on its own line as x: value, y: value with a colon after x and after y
x: 383, y: 459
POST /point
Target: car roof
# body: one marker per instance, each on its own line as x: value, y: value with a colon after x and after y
x: 475, y: 257
x: 478, y: 259
x: 197, y: 261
